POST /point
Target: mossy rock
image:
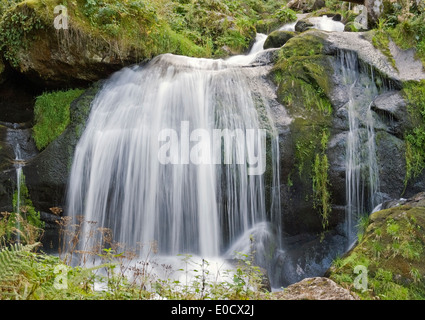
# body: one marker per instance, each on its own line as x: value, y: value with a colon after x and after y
x: 392, y: 250
x: 304, y: 89
x: 278, y: 38
x: 47, y: 174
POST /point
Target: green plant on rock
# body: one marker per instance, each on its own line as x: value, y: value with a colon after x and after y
x: 52, y: 115
x: 17, y: 28
x: 414, y: 93
x: 321, y: 193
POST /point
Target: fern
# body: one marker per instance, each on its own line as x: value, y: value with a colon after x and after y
x: 15, y: 267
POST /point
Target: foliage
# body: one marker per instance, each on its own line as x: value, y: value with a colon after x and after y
x: 17, y: 28
x: 404, y: 22
x: 321, y: 193
x: 52, y: 115
x: 415, y: 138
x: 109, y: 270
x: 24, y: 225
x: 285, y: 15
x: 392, y: 250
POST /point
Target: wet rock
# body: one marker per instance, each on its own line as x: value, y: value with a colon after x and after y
x: 391, y: 110
x: 307, y: 255
x: 276, y: 39
x: 303, y: 25
x: 317, y: 288
x: 47, y: 174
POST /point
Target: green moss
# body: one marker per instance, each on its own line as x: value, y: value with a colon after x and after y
x: 392, y: 250
x: 381, y: 41
x: 414, y: 92
x: 321, y: 193
x: 303, y: 89
x: 52, y: 115
x: 17, y: 28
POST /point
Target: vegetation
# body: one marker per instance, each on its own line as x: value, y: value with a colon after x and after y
x: 28, y: 273
x: 52, y: 115
x: 391, y: 249
x: 321, y: 194
x: 304, y: 90
x: 415, y: 138
x: 204, y: 28
x: 404, y: 23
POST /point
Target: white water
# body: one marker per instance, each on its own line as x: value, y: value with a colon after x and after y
x: 118, y: 181
x: 324, y: 23
x: 18, y: 158
x: 362, y: 175
x: 327, y: 24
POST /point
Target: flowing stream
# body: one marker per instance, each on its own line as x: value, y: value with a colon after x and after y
x: 362, y: 174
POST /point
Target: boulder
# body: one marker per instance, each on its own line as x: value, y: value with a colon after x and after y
x: 391, y: 251
x: 316, y: 288
x: 278, y: 38
x: 303, y: 25
x: 47, y: 173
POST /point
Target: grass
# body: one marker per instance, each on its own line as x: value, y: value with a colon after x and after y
x: 414, y: 92
x: 52, y: 115
x: 28, y: 273
x: 391, y: 249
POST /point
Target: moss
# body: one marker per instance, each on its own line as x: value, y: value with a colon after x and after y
x: 52, y: 115
x: 303, y: 89
x: 414, y: 92
x: 392, y: 249
x: 381, y: 41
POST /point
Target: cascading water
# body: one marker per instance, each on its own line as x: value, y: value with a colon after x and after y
x: 362, y: 176
x: 18, y: 186
x: 174, y: 152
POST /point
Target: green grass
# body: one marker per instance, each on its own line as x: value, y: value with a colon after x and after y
x: 52, y: 115
x: 391, y: 249
x: 414, y: 93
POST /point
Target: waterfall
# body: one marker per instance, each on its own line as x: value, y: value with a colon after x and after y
x: 362, y: 176
x: 18, y: 158
x: 174, y: 152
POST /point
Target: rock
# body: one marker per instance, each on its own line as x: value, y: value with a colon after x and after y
x: 317, y: 288
x: 318, y: 4
x: 353, y: 26
x: 392, y: 252
x: 301, y: 5
x: 47, y: 174
x: 337, y: 17
x: 303, y: 25
x: 375, y: 9
x: 276, y: 39
x: 391, y: 109
x: 307, y: 255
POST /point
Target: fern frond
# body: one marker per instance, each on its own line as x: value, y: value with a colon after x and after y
x: 13, y: 265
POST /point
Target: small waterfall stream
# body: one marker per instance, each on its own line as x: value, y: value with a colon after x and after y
x: 362, y: 176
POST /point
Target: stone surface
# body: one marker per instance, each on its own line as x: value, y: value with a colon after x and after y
x: 47, y: 173
x: 317, y: 288
x: 278, y: 38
